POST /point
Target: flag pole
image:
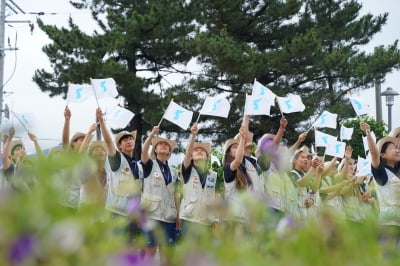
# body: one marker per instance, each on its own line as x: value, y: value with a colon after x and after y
x: 159, y: 123
x: 94, y: 91
x: 197, y: 120
x: 19, y: 120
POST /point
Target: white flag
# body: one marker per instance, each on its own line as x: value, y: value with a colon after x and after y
x: 336, y: 149
x: 326, y: 119
x: 178, y: 115
x: 365, y: 142
x: 216, y: 106
x: 105, y: 88
x: 323, y: 140
x: 364, y: 167
x: 261, y: 90
x: 257, y: 105
x: 23, y: 123
x: 28, y: 144
x: 290, y: 104
x: 79, y: 92
x: 360, y: 106
x: 5, y: 126
x: 345, y: 132
x: 119, y: 117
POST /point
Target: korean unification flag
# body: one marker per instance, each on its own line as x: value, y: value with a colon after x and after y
x: 79, y: 92
x: 346, y: 133
x: 323, y: 140
x: 104, y: 88
x: 326, y: 119
x: 261, y: 90
x: 365, y: 141
x: 118, y: 117
x: 257, y: 105
x: 216, y: 106
x: 360, y: 106
x: 23, y: 122
x: 178, y: 115
x: 364, y: 166
x: 28, y: 144
x: 336, y: 149
x: 290, y: 104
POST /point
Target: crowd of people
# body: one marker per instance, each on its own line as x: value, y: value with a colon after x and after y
x: 292, y: 181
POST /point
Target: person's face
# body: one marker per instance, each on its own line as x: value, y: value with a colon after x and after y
x: 18, y: 152
x: 98, y: 153
x: 199, y: 154
x: 392, y: 153
x: 77, y: 143
x: 127, y: 144
x: 233, y: 150
x: 162, y: 148
x: 301, y: 163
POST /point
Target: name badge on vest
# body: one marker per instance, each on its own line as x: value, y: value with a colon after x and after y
x: 157, y: 174
x: 196, y: 179
x: 251, y: 167
x: 126, y: 170
x: 210, y: 179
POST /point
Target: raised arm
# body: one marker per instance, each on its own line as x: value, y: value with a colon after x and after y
x: 88, y: 137
x: 298, y: 142
x: 282, y: 127
x: 373, y: 148
x: 65, y: 132
x: 188, y: 155
x: 38, y: 149
x: 305, y: 180
x: 146, y: 145
x: 106, y: 134
x: 240, y: 149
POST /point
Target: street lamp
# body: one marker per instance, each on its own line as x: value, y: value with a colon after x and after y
x: 389, y: 93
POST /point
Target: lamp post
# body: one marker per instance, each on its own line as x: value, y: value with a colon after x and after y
x: 389, y: 93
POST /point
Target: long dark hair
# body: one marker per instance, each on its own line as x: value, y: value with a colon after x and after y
x: 241, y: 182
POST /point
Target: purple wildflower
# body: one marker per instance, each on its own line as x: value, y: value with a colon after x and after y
x: 22, y: 248
x: 128, y: 259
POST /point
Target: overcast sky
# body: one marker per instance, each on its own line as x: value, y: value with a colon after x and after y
x: 24, y: 95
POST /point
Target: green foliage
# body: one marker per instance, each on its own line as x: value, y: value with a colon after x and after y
x: 49, y: 234
x: 308, y: 47
x: 379, y: 129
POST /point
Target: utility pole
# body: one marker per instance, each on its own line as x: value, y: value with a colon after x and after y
x: 378, y: 100
x: 2, y: 34
x: 14, y: 8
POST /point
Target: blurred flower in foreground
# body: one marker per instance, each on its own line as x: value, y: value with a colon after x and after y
x: 23, y: 248
x: 129, y: 259
x: 137, y: 213
x: 199, y: 259
x: 67, y: 236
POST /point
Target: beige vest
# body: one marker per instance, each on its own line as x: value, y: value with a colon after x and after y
x: 275, y: 189
x: 237, y: 199
x: 122, y: 187
x: 389, y: 200
x: 158, y: 199
x: 198, y: 203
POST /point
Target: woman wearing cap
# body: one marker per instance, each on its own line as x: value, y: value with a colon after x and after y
x: 76, y: 139
x: 306, y: 180
x: 94, y: 186
x: 16, y: 163
x: 124, y: 183
x: 385, y: 158
x: 239, y: 174
x: 198, y: 186
x: 158, y: 197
